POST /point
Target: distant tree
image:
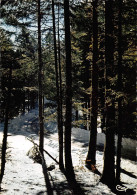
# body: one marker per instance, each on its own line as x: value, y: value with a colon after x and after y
x: 81, y: 59
x: 14, y: 14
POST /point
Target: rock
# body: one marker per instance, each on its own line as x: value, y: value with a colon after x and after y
x: 34, y: 154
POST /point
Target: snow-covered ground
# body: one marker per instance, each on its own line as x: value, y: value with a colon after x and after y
x: 23, y: 176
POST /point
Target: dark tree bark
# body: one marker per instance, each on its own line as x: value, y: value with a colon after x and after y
x: 24, y: 105
x: 119, y: 143
x: 76, y: 115
x: 41, y: 124
x: 28, y: 100
x: 60, y: 95
x: 59, y: 116
x: 4, y: 142
x: 108, y: 176
x: 102, y: 90
x: 43, y: 103
x: 91, y: 157
x: 68, y: 158
x: 87, y: 81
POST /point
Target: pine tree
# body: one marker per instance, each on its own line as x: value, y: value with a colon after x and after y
x: 7, y: 61
x: 68, y: 158
x: 108, y: 176
x: 119, y: 89
x: 60, y: 91
x: 91, y: 157
x: 59, y: 115
x: 40, y: 64
x: 5, y: 132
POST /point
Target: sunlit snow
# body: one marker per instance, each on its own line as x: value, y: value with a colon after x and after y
x: 23, y: 176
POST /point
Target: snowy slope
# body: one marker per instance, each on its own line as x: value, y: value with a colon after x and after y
x: 23, y: 176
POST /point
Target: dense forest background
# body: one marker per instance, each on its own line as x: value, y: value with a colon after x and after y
x: 81, y: 55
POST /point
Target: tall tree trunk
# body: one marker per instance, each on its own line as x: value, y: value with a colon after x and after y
x: 4, y: 143
x: 91, y: 157
x: 119, y: 89
x: 41, y: 124
x: 108, y: 176
x: 87, y: 80
x: 60, y: 129
x: 68, y: 158
x: 60, y: 94
x: 87, y: 84
x: 102, y: 90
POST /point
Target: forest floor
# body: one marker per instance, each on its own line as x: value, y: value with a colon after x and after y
x: 24, y: 176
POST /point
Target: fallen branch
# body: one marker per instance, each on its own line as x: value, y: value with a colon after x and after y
x: 31, y: 140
